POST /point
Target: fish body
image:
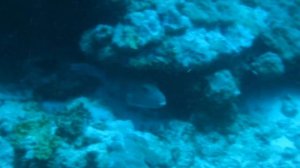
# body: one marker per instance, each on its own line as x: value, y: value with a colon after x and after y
x: 144, y: 95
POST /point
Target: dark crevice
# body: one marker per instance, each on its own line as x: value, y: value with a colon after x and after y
x: 49, y: 29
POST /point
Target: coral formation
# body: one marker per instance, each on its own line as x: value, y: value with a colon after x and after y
x: 268, y: 65
x: 36, y: 138
x: 225, y: 32
x: 222, y: 87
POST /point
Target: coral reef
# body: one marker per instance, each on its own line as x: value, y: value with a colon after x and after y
x: 159, y: 84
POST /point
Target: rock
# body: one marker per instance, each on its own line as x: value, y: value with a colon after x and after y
x: 268, y: 65
x: 222, y: 87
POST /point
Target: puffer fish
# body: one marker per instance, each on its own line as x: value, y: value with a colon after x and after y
x: 146, y: 96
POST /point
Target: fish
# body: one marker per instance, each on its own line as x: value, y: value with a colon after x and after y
x: 146, y: 96
x: 135, y: 93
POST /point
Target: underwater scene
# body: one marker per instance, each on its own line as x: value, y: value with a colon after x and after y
x: 150, y: 84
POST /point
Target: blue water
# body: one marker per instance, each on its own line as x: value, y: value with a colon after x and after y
x: 150, y: 84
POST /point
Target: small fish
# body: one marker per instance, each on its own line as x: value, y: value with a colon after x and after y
x: 146, y: 96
